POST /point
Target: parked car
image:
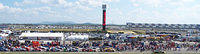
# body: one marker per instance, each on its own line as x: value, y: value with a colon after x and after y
x: 71, y: 49
x: 158, y: 52
x: 3, y: 49
x: 55, y: 49
x: 36, y: 49
x: 109, y: 49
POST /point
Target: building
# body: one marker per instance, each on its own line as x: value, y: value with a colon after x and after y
x: 42, y: 37
x: 2, y: 26
x: 77, y: 37
x: 163, y: 26
x: 5, y: 33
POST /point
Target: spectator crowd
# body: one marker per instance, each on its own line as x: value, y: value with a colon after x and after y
x: 98, y: 46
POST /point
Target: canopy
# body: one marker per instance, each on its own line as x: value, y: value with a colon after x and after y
x: 135, y: 36
x: 77, y: 36
x: 42, y: 35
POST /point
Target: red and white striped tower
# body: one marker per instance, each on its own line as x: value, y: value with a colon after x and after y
x: 104, y: 18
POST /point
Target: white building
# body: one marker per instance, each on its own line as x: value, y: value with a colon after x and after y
x: 5, y: 33
x: 78, y: 37
x: 44, y: 37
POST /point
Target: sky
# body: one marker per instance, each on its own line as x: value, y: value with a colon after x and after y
x: 90, y: 11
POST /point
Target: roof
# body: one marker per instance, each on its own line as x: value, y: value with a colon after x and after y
x: 42, y: 35
x: 77, y: 36
x: 3, y: 34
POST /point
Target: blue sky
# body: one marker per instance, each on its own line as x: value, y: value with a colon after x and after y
x: 89, y: 11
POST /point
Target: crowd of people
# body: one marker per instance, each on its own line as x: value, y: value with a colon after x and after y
x: 98, y: 46
x: 108, y: 43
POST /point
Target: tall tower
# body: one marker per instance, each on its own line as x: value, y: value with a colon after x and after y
x: 104, y: 18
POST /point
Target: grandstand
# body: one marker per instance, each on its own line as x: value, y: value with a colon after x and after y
x: 163, y: 27
x: 167, y: 26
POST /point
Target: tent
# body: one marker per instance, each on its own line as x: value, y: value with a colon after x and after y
x: 140, y: 36
x: 77, y: 37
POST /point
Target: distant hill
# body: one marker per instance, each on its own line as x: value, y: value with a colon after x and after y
x: 88, y: 23
x: 58, y: 23
x: 70, y: 23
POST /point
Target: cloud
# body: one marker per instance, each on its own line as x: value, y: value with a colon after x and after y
x: 32, y: 11
x: 35, y: 3
x: 136, y: 5
x: 188, y: 0
x: 160, y: 3
x: 25, y: 15
x: 96, y: 3
x: 2, y: 6
x: 79, y: 4
x: 165, y: 11
x: 150, y: 3
x: 8, y: 9
x: 47, y: 1
x: 62, y: 2
x: 144, y: 11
